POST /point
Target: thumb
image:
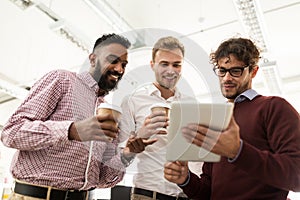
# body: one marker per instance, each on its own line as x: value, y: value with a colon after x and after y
x: 232, y: 122
x: 149, y: 141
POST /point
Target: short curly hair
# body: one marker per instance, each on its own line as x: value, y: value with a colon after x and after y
x: 107, y: 39
x: 243, y: 49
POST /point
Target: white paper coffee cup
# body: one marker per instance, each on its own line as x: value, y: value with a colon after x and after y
x: 106, y: 108
x: 161, y: 107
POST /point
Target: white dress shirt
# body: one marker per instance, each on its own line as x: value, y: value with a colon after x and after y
x: 148, y: 166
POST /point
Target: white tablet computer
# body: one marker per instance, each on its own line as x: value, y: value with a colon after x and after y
x: 213, y: 115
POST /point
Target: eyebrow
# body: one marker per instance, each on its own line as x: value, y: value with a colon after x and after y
x: 238, y: 66
x: 164, y: 61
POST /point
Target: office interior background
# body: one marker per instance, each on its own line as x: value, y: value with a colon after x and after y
x: 41, y: 35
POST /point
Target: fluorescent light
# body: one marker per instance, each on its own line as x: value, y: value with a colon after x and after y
x: 106, y: 12
x: 251, y: 18
x: 112, y: 17
x: 271, y: 77
x: 23, y: 4
x: 69, y: 33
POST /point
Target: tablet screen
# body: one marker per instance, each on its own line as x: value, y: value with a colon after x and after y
x: 214, y: 115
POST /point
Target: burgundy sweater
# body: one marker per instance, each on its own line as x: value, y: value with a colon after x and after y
x: 269, y: 163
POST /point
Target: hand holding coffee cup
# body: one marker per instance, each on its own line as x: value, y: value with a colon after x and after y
x: 109, y: 109
x: 161, y: 107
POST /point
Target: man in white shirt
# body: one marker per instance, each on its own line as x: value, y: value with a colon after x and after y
x: 137, y: 118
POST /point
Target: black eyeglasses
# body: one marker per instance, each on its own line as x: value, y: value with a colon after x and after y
x: 234, y: 71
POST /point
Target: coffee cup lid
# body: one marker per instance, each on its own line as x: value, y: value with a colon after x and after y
x: 110, y: 106
x: 164, y: 105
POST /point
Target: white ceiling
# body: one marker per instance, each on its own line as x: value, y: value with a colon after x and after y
x: 30, y: 46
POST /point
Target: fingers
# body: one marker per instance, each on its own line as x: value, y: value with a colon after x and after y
x: 176, y: 168
x: 157, y: 113
x: 152, y: 124
x: 182, y: 163
x: 137, y: 145
x: 136, y: 142
x: 200, y: 135
x: 171, y: 169
x: 148, y: 120
x: 103, y: 138
x: 158, y: 121
x: 192, y: 134
x: 157, y: 116
x: 176, y: 172
x: 149, y: 141
x: 93, y: 129
x: 105, y: 128
x: 106, y: 117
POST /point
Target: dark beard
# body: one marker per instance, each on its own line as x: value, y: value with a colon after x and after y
x: 106, y: 84
x: 231, y: 97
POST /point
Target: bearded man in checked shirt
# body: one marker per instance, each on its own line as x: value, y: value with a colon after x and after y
x: 61, y: 152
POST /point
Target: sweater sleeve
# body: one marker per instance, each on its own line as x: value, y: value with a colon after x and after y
x: 279, y: 167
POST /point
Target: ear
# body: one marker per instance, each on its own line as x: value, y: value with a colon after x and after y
x: 254, y: 71
x: 92, y: 58
x: 152, y: 64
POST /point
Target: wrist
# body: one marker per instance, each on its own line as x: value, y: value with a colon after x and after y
x: 73, y: 134
x: 187, y: 180
x: 127, y: 158
x: 127, y: 153
x: 234, y: 158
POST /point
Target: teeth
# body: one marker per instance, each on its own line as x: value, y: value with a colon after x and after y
x: 170, y: 77
x: 114, y: 76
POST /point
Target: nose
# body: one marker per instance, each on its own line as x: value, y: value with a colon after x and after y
x: 119, y: 68
x: 227, y: 76
x: 171, y: 69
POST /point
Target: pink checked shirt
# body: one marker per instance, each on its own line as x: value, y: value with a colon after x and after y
x: 39, y: 131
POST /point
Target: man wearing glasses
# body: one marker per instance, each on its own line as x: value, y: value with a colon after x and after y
x: 260, y: 148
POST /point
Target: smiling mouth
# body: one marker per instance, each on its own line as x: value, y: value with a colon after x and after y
x: 114, y: 77
x: 170, y: 77
x: 228, y: 86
